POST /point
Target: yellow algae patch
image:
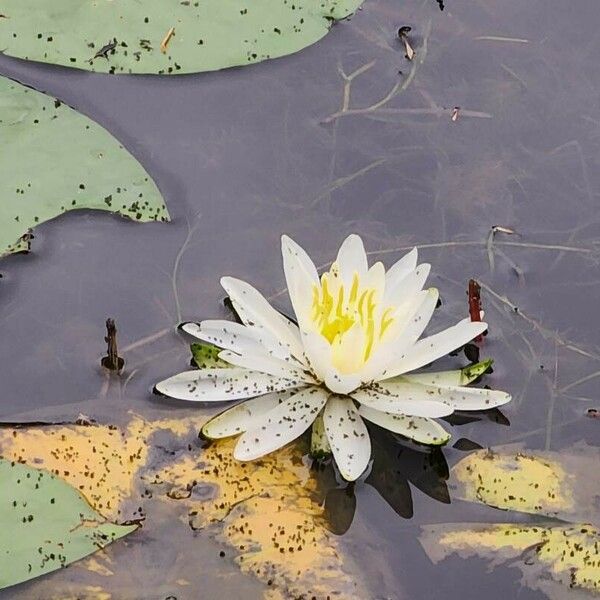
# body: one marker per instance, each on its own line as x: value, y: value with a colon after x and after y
x: 568, y: 555
x: 522, y: 482
x: 497, y: 537
x: 99, y: 460
x: 265, y: 510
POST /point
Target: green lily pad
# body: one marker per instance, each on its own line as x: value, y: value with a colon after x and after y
x: 206, y: 356
x: 58, y: 160
x: 45, y: 524
x: 147, y: 37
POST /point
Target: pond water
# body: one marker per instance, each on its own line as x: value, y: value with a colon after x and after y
x: 244, y: 155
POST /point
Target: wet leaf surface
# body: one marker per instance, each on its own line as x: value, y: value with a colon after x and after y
x: 563, y: 561
x: 158, y: 470
x: 46, y: 524
x: 145, y: 38
x: 59, y: 161
x: 247, y: 154
x: 562, y: 485
x: 553, y: 556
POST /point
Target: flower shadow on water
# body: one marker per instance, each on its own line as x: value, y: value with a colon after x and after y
x: 397, y: 464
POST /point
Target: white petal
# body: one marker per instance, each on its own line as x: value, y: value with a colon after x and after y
x: 420, y: 318
x: 319, y: 355
x: 218, y: 385
x: 375, y: 278
x: 449, y: 378
x: 303, y: 261
x: 435, y: 346
x: 243, y: 416
x: 289, y: 369
x: 419, y: 429
x: 301, y: 277
x: 239, y: 338
x: 352, y: 259
x: 465, y: 398
x: 347, y: 354
x: 399, y: 344
x: 282, y: 424
x: 401, y: 268
x: 256, y: 312
x: 408, y: 400
x: 404, y: 289
x: 348, y: 437
x: 456, y: 397
x: 317, y: 352
x: 435, y: 378
x: 342, y: 383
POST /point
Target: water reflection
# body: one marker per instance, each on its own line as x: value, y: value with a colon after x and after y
x: 394, y: 466
x: 397, y: 465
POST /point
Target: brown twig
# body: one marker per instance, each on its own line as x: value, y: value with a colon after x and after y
x: 112, y: 361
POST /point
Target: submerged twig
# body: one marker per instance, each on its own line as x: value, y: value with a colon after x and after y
x: 147, y: 340
x: 500, y: 38
x: 188, y: 237
x: 396, y: 89
x: 342, y: 181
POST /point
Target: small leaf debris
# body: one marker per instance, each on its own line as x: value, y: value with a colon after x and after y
x: 502, y: 229
x: 455, y: 113
x: 103, y: 52
x: 403, y: 35
x: 165, y: 43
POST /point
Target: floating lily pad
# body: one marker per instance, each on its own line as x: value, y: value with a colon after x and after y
x: 563, y: 485
x: 145, y: 37
x: 46, y: 524
x: 58, y: 160
x: 142, y: 463
x: 551, y: 558
x: 552, y: 555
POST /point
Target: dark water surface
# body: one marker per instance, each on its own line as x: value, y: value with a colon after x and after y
x: 245, y: 155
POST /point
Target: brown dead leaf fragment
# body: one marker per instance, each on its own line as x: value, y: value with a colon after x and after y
x: 165, y: 43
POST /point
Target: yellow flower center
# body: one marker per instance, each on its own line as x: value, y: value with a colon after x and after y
x: 351, y: 318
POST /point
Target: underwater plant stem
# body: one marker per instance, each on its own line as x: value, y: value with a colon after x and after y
x: 175, y: 273
x: 396, y: 89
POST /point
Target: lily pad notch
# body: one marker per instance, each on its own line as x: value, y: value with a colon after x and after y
x: 46, y: 524
x: 58, y: 160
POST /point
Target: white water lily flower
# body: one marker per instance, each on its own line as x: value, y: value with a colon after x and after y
x: 349, y: 357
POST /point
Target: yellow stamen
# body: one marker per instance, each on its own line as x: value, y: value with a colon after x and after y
x: 337, y: 308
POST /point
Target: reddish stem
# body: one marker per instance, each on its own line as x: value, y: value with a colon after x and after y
x: 475, y: 303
